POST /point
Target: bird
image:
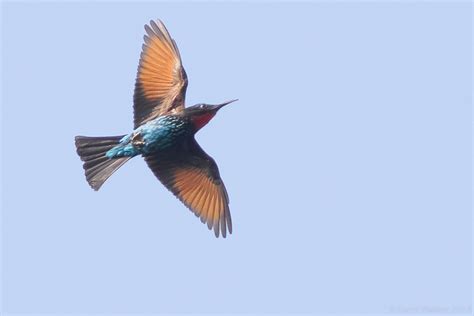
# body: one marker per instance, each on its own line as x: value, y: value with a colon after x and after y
x: 164, y: 135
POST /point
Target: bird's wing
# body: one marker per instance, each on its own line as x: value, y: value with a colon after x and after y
x: 193, y: 177
x: 161, y: 79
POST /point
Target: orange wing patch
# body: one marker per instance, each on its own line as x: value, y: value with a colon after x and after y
x: 158, y: 67
x: 193, y: 177
x: 161, y: 79
x: 205, y: 198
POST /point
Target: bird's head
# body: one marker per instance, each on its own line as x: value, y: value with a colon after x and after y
x: 201, y: 114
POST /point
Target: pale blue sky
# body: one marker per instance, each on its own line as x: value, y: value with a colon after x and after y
x: 347, y: 159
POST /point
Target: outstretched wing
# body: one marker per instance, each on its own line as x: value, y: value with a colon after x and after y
x: 161, y: 79
x: 193, y: 177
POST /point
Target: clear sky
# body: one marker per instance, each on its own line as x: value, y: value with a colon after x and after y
x: 347, y: 159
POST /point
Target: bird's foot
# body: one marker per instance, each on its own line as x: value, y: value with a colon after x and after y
x: 137, y: 140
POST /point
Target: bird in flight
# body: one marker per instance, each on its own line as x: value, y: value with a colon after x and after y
x: 163, y: 135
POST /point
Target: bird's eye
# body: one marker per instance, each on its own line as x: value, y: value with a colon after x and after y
x: 202, y: 106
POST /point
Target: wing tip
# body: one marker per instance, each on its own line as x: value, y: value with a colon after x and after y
x: 158, y: 28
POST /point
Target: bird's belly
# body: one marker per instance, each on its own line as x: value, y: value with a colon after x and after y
x: 154, y: 141
x: 152, y: 137
x: 158, y: 137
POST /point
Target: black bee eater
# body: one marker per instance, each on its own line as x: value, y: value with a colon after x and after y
x: 164, y: 135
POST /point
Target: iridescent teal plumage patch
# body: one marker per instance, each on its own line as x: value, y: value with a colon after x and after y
x: 151, y: 137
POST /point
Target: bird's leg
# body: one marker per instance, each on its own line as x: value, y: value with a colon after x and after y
x: 137, y: 140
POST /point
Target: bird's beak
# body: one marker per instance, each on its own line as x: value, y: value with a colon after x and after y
x: 218, y: 106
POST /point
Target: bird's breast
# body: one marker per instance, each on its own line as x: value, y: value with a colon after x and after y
x: 163, y: 133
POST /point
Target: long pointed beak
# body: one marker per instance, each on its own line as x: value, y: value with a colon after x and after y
x: 218, y: 106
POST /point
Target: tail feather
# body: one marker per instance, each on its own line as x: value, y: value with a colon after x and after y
x: 98, y: 167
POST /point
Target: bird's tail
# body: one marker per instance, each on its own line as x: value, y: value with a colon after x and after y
x: 97, y: 166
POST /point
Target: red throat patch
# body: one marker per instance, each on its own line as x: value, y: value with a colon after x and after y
x: 201, y: 120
